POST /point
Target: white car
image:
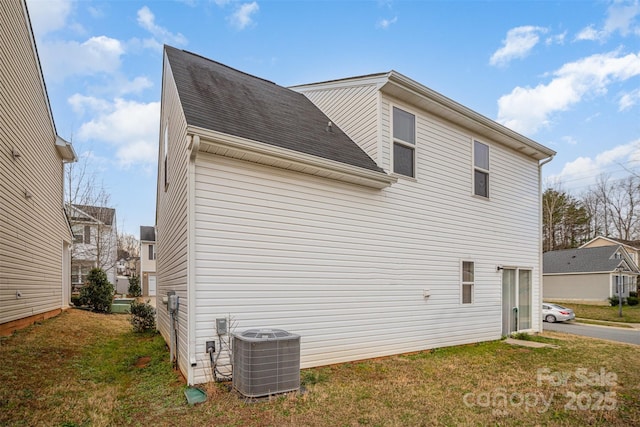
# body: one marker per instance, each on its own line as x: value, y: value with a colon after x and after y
x: 556, y: 313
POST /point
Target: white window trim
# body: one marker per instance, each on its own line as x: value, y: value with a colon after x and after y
x: 474, y: 168
x: 414, y: 146
x: 463, y: 283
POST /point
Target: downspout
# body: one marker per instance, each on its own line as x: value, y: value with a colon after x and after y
x: 193, y: 146
x: 540, y: 238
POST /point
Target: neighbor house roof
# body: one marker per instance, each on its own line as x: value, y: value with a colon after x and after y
x: 634, y: 244
x: 583, y: 260
x: 147, y: 233
x: 219, y: 98
x: 93, y: 213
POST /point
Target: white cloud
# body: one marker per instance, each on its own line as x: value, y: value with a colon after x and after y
x: 242, y: 17
x: 585, y: 170
x: 48, y: 16
x: 131, y: 127
x: 386, y: 23
x: 82, y: 103
x: 629, y: 99
x: 518, y: 44
x: 556, y: 39
x: 621, y: 18
x: 65, y: 58
x: 527, y: 109
x: 569, y: 140
x: 590, y: 33
x: 147, y: 20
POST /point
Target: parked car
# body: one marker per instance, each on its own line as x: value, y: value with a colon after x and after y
x: 556, y: 313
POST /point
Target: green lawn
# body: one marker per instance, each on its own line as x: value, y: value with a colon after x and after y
x: 85, y: 369
x: 630, y: 314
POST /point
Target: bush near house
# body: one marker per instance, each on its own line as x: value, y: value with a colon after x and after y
x: 143, y: 317
x: 134, y: 286
x: 97, y: 293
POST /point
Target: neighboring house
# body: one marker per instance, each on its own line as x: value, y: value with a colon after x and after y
x: 148, y: 260
x: 590, y: 275
x: 397, y: 220
x: 94, y: 242
x: 34, y: 233
x: 631, y: 246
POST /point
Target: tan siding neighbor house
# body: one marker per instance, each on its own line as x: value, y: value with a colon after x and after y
x: 370, y: 215
x: 34, y: 232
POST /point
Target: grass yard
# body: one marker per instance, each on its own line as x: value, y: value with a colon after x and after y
x: 630, y: 314
x: 88, y: 369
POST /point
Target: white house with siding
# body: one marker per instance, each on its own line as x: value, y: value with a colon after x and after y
x: 148, y: 260
x: 371, y: 215
x: 35, y: 237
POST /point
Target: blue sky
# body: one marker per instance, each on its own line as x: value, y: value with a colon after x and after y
x: 564, y: 73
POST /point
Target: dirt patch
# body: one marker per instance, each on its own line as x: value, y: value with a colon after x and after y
x: 142, y: 362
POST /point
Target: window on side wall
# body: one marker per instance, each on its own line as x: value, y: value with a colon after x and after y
x: 467, y: 282
x: 480, y: 169
x: 404, y: 142
x: 152, y: 252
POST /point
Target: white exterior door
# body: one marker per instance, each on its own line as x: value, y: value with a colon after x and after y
x: 152, y: 285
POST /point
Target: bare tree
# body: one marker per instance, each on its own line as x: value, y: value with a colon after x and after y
x: 92, y: 219
x: 128, y: 246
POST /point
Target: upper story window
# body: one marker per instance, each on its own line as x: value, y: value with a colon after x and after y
x: 480, y: 169
x: 404, y: 142
x: 152, y: 252
x: 81, y: 234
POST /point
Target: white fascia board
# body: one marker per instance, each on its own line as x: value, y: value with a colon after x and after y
x: 581, y: 273
x: 438, y: 104
x: 259, y: 152
x: 371, y: 79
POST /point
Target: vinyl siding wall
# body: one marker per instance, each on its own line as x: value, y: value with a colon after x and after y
x: 585, y: 287
x: 346, y: 266
x: 172, y: 218
x: 32, y: 230
x: 354, y: 109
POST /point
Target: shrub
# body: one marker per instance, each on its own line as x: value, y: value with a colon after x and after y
x: 632, y: 300
x: 615, y: 302
x: 143, y: 316
x: 97, y: 293
x: 633, y: 294
x: 134, y: 286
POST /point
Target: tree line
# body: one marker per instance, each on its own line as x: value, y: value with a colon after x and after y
x: 608, y: 208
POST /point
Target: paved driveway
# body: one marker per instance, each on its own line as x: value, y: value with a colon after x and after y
x: 626, y: 335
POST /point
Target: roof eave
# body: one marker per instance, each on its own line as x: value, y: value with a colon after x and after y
x: 66, y: 151
x: 417, y: 94
x: 232, y: 146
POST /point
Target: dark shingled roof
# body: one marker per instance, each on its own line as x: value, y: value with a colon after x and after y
x: 222, y: 99
x: 147, y: 233
x: 102, y: 214
x: 585, y: 260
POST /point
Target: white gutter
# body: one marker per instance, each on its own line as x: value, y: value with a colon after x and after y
x: 271, y: 155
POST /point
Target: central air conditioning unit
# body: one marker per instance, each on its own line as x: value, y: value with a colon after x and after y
x: 265, y: 362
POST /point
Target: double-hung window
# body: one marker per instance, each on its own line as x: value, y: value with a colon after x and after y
x: 480, y: 169
x: 404, y: 143
x: 166, y: 156
x: 152, y: 252
x: 467, y: 281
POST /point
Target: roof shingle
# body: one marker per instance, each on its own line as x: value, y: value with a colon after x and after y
x: 220, y: 98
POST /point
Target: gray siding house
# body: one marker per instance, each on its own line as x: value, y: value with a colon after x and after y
x: 371, y: 216
x: 590, y: 275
